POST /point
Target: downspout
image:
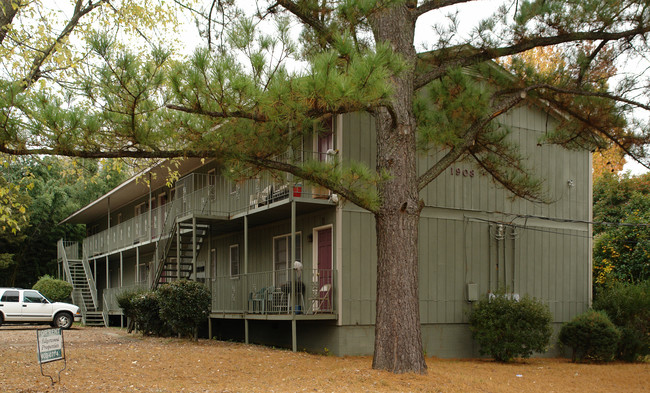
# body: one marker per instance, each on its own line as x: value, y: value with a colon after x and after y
x: 245, y: 284
x: 514, y: 235
x: 489, y: 259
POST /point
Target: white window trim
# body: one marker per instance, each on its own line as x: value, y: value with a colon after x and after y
x: 287, y: 235
x: 139, y: 209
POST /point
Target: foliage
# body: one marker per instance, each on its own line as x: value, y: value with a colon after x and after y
x: 628, y: 306
x: 54, y: 188
x: 13, y: 203
x: 184, y: 305
x: 611, y: 160
x: 506, y: 328
x: 53, y: 289
x: 591, y: 336
x: 125, y: 300
x: 621, y: 247
x: 146, y: 311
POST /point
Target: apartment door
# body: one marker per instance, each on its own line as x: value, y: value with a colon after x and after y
x: 324, y: 273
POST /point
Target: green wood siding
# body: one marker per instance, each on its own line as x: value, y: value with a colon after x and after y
x: 543, y: 258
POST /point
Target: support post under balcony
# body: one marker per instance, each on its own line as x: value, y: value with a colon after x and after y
x: 178, y: 250
x: 194, y: 248
x: 294, y: 340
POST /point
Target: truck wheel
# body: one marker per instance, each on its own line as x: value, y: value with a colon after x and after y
x: 1, y: 319
x: 63, y: 320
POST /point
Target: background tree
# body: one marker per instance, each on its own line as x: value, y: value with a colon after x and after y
x: 622, y: 243
x: 57, y: 188
x: 611, y: 160
x: 237, y: 100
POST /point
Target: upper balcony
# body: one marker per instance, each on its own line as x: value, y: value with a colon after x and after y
x: 207, y: 196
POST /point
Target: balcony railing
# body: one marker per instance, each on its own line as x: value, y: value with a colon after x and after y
x: 270, y: 293
x: 208, y: 195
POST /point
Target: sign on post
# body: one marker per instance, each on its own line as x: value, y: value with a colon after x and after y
x: 50, y: 348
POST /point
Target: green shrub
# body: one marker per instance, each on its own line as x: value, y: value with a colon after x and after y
x: 184, y: 305
x: 53, y: 289
x: 506, y: 328
x: 628, y: 307
x: 592, y: 336
x: 125, y: 301
x: 146, y: 311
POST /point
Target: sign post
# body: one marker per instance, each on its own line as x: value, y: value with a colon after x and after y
x: 50, y: 348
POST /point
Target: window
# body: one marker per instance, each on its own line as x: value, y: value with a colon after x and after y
x: 234, y: 260
x: 281, y: 251
x: 10, y: 296
x: 33, y: 297
x: 140, y: 209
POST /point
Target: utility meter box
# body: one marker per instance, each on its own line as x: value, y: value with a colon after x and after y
x: 472, y: 292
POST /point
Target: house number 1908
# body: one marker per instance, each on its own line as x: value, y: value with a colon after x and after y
x: 461, y: 172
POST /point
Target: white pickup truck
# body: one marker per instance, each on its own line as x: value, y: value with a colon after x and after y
x: 29, y: 306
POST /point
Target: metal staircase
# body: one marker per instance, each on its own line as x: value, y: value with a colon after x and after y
x: 84, y: 292
x: 177, y: 251
x: 92, y: 316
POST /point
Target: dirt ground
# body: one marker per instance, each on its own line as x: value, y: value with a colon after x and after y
x: 110, y: 360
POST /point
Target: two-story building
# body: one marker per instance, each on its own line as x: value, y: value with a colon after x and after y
x: 238, y: 238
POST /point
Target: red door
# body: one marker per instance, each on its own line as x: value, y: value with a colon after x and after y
x: 325, y: 270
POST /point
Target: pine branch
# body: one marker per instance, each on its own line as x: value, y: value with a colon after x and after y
x: 472, y: 56
x: 432, y: 5
x: 592, y: 56
x: 119, y: 153
x: 616, y: 140
x: 321, y: 29
x: 468, y: 140
x: 258, y: 117
x: 522, y: 192
x: 588, y: 94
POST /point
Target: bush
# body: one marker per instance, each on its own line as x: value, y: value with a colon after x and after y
x: 126, y: 302
x: 506, y: 328
x: 53, y: 289
x: 184, y: 305
x: 146, y: 311
x: 592, y: 336
x: 628, y: 307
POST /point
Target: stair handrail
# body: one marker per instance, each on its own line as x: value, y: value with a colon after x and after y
x: 77, y: 299
x: 66, y: 266
x: 105, y: 310
x: 169, y: 218
x: 89, y: 277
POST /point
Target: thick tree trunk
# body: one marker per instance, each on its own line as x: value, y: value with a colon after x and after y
x: 398, y: 338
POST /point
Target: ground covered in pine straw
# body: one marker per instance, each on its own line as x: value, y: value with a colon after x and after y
x: 110, y: 360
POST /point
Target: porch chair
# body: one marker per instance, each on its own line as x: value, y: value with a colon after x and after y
x: 257, y: 301
x: 320, y: 301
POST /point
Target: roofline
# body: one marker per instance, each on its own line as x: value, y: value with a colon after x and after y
x: 111, y: 192
x: 106, y: 196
